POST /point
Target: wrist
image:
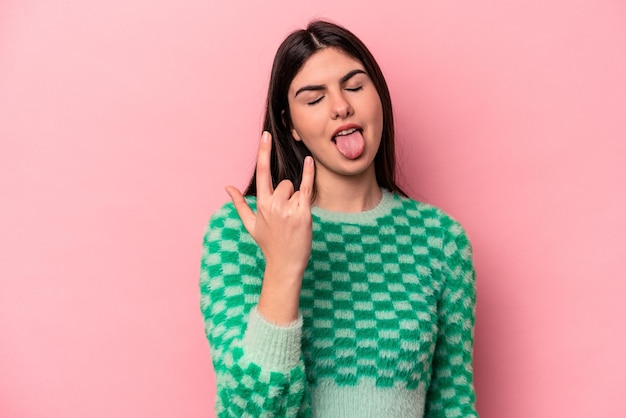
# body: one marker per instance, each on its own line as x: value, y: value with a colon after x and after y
x: 284, y: 272
x: 280, y: 297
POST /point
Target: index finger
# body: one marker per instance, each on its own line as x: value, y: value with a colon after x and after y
x: 263, y: 173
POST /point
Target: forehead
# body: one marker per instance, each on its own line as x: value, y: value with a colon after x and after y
x: 325, y: 66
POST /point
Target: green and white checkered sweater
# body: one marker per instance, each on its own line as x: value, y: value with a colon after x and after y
x: 386, y: 326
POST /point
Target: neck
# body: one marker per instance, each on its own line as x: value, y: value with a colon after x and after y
x: 348, y: 193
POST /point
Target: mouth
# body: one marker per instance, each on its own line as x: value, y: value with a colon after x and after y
x: 349, y: 141
x: 345, y: 130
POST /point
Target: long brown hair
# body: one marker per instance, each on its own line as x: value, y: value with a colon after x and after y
x: 287, y: 157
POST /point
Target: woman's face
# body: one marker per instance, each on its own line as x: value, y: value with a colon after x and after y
x: 336, y: 112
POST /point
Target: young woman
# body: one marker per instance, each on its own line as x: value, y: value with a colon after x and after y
x: 326, y: 291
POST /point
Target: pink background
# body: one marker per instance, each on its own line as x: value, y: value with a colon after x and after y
x: 120, y: 123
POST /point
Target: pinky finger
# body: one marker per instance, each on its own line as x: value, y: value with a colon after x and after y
x: 306, y: 186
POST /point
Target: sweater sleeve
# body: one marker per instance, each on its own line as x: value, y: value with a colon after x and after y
x: 451, y: 392
x: 259, y: 366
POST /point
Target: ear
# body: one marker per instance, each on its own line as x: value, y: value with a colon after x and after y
x: 294, y: 133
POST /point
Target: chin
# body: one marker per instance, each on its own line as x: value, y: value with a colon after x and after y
x: 359, y: 166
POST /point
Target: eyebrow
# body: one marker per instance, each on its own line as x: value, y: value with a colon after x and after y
x: 321, y: 86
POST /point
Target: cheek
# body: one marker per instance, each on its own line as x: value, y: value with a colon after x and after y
x: 306, y: 121
x: 377, y: 113
x: 296, y: 118
x: 373, y: 105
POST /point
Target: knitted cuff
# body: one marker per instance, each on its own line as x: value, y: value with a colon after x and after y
x: 272, y: 346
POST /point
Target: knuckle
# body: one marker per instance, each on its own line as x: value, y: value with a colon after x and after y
x: 262, y: 165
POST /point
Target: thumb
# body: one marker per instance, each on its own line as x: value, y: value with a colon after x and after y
x: 245, y: 213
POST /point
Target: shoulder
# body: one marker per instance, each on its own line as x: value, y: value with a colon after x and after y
x: 445, y: 235
x: 431, y: 215
x: 439, y: 226
x: 225, y: 227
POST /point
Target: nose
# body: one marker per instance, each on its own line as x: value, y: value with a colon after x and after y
x: 340, y: 106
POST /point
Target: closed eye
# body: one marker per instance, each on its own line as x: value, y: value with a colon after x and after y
x: 354, y: 88
x: 315, y: 101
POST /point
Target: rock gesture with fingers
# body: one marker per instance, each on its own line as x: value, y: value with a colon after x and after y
x: 282, y: 227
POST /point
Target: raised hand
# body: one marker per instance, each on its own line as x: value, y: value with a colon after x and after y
x: 282, y: 227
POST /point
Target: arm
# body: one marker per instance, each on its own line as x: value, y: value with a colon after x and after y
x: 251, y: 311
x: 451, y: 391
x: 258, y: 366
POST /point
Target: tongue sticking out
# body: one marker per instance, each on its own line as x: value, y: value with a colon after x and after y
x: 350, y: 146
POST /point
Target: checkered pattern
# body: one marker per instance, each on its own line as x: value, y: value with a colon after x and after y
x: 387, y: 298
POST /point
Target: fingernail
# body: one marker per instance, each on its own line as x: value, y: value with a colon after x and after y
x: 265, y: 137
x: 308, y: 160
